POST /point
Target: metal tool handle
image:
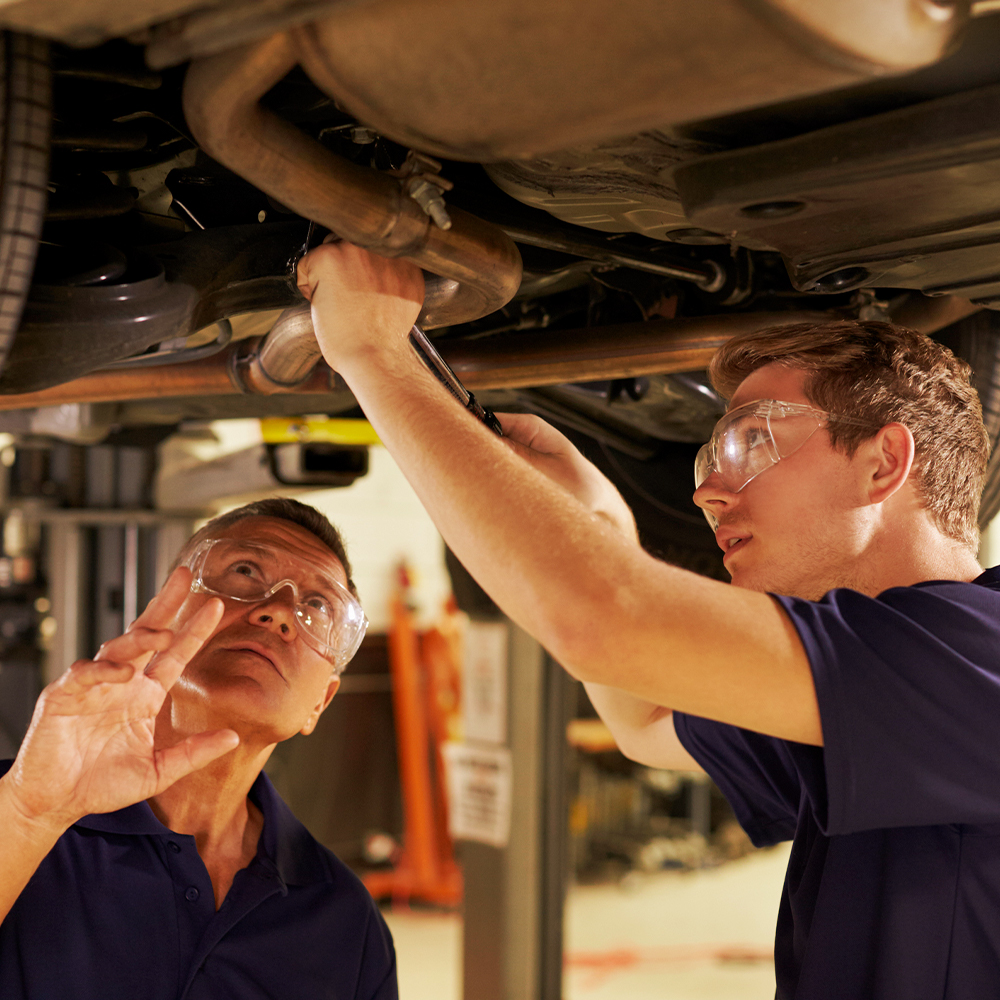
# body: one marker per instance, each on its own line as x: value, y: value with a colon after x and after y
x: 429, y: 353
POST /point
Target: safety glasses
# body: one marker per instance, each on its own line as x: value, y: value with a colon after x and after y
x: 750, y: 439
x: 327, y: 615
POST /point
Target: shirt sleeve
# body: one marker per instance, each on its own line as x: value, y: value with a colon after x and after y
x: 757, y: 775
x: 908, y: 686
x: 378, y: 962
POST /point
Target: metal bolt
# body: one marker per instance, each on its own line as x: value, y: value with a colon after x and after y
x: 422, y: 181
x: 428, y: 197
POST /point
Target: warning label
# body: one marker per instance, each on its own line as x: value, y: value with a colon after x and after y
x: 479, y: 792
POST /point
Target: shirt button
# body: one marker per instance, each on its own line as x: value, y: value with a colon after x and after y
x: 191, y: 894
x: 174, y: 846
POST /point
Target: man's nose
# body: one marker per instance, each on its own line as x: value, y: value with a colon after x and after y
x: 713, y: 497
x: 277, y: 613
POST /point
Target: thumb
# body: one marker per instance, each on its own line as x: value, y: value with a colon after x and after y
x: 307, y: 272
x: 192, y: 754
x: 304, y: 279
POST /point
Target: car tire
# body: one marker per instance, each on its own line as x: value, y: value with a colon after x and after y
x: 25, y: 122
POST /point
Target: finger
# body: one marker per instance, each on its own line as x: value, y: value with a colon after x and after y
x: 161, y: 609
x: 86, y: 674
x: 167, y: 666
x: 532, y: 432
x: 132, y: 645
x: 192, y: 754
x: 303, y: 277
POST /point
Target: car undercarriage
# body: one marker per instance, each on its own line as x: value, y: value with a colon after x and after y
x: 599, y: 194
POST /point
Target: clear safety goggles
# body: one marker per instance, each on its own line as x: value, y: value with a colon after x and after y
x: 327, y: 615
x: 750, y: 439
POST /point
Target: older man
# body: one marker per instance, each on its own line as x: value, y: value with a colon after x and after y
x: 143, y: 853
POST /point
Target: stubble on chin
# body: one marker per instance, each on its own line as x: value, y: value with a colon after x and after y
x: 810, y: 582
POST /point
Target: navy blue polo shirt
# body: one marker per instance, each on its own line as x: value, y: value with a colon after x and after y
x: 893, y: 884
x: 122, y: 908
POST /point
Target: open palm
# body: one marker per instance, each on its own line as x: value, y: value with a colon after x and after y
x: 90, y: 746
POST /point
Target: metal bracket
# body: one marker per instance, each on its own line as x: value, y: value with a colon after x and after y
x: 421, y: 178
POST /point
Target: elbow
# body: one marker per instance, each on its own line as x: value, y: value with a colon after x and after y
x: 562, y: 639
x: 631, y: 747
x: 639, y: 745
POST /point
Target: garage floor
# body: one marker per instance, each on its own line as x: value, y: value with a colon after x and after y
x: 703, y: 935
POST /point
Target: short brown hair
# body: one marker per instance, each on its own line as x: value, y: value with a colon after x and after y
x: 285, y: 509
x: 886, y: 374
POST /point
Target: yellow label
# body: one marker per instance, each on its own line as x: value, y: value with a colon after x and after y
x: 330, y: 430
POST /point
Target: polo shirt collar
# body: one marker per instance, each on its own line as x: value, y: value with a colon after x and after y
x: 284, y: 842
x: 137, y: 821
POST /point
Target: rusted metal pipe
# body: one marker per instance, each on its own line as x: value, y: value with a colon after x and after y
x: 523, y: 360
x: 535, y: 358
x: 282, y: 360
x: 212, y: 376
x: 285, y: 357
x: 479, y: 263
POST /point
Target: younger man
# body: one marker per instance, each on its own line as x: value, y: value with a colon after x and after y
x: 855, y: 710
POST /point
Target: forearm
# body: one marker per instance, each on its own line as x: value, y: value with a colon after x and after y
x: 643, y: 730
x: 26, y: 843
x: 531, y: 544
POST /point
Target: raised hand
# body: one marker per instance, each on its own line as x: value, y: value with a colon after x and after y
x: 558, y: 458
x: 90, y: 746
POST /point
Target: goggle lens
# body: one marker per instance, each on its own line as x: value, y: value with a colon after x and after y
x: 740, y: 448
x: 750, y: 439
x: 330, y: 618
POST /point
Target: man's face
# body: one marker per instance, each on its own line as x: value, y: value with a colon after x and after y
x: 800, y: 525
x: 255, y: 673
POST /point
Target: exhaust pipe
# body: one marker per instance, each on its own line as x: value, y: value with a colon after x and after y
x: 515, y: 361
x: 478, y: 265
x: 282, y: 360
x: 287, y: 359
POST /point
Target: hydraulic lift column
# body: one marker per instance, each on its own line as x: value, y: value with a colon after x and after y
x: 514, y: 894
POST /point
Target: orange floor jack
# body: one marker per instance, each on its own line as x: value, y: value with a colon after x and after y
x: 426, y: 868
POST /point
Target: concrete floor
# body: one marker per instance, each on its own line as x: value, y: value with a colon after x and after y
x: 703, y: 935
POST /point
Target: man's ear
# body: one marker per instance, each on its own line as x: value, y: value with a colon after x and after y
x: 892, y: 453
x: 320, y: 708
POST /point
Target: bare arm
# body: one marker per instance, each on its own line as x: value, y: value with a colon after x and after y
x: 643, y: 731
x: 566, y: 575
x: 89, y: 748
